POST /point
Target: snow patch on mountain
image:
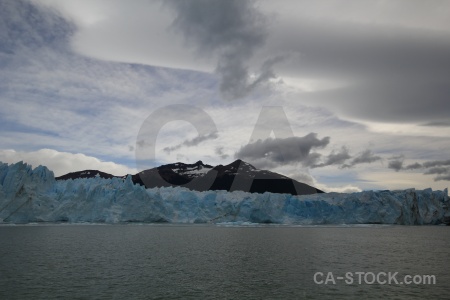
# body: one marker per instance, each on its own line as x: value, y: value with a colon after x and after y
x: 193, y: 171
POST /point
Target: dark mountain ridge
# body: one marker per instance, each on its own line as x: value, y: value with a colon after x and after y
x: 87, y: 174
x: 236, y: 176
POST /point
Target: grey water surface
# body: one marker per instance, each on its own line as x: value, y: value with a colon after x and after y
x: 145, y: 261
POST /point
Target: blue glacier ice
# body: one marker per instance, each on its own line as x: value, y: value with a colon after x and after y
x: 33, y: 195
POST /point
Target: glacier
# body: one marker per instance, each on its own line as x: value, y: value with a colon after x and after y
x: 33, y: 195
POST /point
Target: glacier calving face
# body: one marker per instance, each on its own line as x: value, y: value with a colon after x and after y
x: 33, y: 195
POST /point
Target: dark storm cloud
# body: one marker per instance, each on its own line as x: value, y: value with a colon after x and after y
x: 413, y: 166
x: 335, y: 158
x: 400, y: 100
x: 192, y: 142
x: 434, y: 167
x: 332, y: 48
x: 273, y: 152
x: 443, y: 175
x: 437, y: 170
x: 365, y: 157
x: 392, y: 73
x: 231, y: 29
x: 438, y: 167
x: 396, y: 164
x: 435, y: 163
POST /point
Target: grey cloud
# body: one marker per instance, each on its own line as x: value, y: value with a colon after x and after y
x: 201, y: 138
x: 396, y: 162
x: 312, y: 159
x: 231, y: 29
x: 335, y: 158
x: 435, y: 163
x: 437, y: 170
x: 392, y: 73
x: 434, y: 167
x: 273, y: 152
x: 332, y: 48
x: 400, y: 100
x: 266, y: 71
x: 339, y: 157
x: 364, y: 157
x: 396, y: 165
x: 438, y: 167
x: 413, y: 166
x: 192, y: 142
x: 168, y: 150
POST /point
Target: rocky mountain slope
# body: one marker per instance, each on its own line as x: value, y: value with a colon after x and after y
x: 237, y: 176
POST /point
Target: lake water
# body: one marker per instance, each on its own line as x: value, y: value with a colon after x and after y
x: 220, y: 262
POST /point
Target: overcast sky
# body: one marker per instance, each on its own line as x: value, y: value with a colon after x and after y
x: 343, y: 95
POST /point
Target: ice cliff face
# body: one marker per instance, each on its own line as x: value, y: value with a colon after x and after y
x: 33, y: 195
